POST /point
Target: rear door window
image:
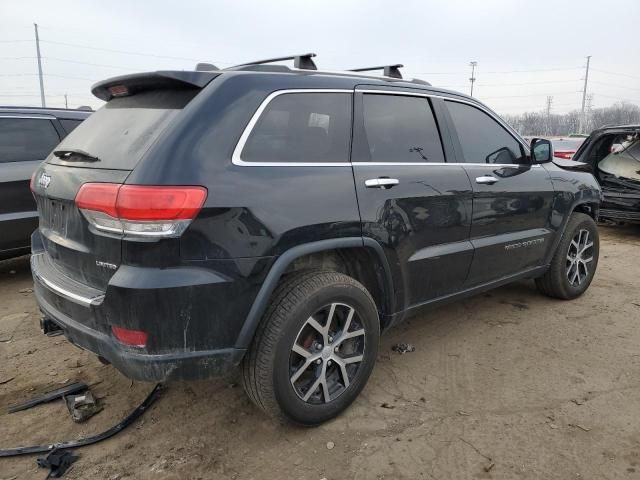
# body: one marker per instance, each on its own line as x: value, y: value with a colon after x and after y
x: 121, y: 132
x: 484, y: 140
x: 302, y: 128
x: 26, y: 139
x: 400, y: 129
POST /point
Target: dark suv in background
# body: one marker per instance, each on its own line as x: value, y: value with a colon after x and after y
x: 280, y: 218
x: 27, y: 136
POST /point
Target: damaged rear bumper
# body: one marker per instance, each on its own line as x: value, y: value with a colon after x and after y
x: 197, y: 346
x: 143, y: 366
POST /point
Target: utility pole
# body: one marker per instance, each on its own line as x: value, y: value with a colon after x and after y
x: 66, y: 103
x: 548, y: 114
x: 44, y: 104
x: 473, y: 66
x: 584, y: 96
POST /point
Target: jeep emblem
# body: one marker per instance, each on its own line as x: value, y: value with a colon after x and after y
x: 44, y: 180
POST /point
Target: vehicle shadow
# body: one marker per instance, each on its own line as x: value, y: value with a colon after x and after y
x: 15, y: 267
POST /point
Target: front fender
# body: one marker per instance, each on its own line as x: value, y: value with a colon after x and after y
x: 574, y: 191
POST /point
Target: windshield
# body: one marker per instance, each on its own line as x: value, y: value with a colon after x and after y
x: 121, y: 132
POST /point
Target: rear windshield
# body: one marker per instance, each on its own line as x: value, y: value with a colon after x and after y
x: 120, y: 133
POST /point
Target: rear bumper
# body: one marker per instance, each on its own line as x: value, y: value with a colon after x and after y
x: 193, y: 314
x: 137, y: 365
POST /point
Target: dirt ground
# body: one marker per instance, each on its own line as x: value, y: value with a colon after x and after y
x: 506, y: 385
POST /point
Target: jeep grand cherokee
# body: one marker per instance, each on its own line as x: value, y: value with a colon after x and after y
x: 278, y: 219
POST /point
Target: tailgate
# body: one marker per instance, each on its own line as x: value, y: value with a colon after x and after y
x: 70, y: 244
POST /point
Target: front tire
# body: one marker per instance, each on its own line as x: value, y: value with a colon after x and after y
x: 314, y: 349
x: 575, y: 261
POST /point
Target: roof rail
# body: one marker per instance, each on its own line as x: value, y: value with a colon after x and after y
x: 303, y: 61
x: 392, y: 71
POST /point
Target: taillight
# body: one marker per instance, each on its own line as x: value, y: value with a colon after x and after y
x: 133, y: 338
x: 564, y: 154
x: 142, y: 210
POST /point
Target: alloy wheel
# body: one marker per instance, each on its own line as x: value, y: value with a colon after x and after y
x: 327, y: 353
x: 579, y: 258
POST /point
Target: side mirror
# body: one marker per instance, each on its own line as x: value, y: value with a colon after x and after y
x: 541, y: 150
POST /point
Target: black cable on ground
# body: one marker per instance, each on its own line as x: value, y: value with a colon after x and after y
x: 82, y: 442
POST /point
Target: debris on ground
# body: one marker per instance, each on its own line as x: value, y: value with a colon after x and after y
x: 387, y: 405
x: 584, y: 429
x: 25, y: 290
x: 49, y: 396
x: 6, y: 380
x: 82, y: 406
x: 82, y: 442
x: 403, y: 348
x: 578, y: 401
x: 330, y: 445
x: 488, y: 468
x: 463, y: 413
x: 57, y: 461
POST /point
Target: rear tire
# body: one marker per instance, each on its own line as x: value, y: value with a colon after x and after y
x: 314, y: 349
x: 575, y: 261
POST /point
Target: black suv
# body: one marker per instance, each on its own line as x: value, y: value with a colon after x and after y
x: 27, y: 136
x: 280, y: 218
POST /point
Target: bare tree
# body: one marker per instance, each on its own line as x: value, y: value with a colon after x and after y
x: 538, y: 123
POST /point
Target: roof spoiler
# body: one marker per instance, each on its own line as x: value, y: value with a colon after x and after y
x: 130, y: 84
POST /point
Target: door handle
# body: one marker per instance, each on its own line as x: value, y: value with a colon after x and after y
x: 486, y: 180
x: 381, y: 182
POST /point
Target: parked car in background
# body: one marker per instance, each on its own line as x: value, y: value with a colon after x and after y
x: 27, y: 136
x: 613, y: 155
x: 566, y: 147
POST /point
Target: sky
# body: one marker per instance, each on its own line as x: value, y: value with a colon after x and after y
x: 526, y: 50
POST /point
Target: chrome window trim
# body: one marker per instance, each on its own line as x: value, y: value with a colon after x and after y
x: 14, y: 115
x: 236, y: 157
x: 442, y: 164
x: 501, y: 122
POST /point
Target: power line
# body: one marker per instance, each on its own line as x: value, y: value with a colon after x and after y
x: 524, y: 83
x: 17, y: 58
x: 500, y: 71
x: 65, y: 60
x: 616, y: 73
x: 618, y: 98
x: 535, y: 95
x: 614, y: 85
x: 123, y: 52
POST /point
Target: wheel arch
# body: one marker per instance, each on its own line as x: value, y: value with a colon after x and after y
x: 588, y: 206
x: 361, y: 258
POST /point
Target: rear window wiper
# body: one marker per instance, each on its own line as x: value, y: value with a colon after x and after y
x: 81, y: 156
